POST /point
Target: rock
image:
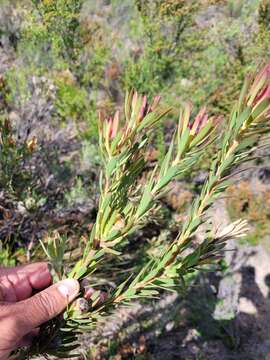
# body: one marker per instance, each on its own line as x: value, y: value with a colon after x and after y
x: 200, y: 177
x: 245, y: 305
x: 169, y: 326
x: 14, y: 117
x: 264, y: 175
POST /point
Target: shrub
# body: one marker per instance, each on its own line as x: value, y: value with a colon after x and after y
x: 150, y: 71
x: 264, y: 13
x: 59, y: 22
x: 15, y: 178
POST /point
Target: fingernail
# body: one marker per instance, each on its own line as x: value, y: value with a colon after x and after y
x: 69, y: 288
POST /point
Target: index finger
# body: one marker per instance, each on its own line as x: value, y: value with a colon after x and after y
x: 17, y: 283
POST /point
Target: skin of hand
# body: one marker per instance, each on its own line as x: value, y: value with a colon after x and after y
x: 21, y: 312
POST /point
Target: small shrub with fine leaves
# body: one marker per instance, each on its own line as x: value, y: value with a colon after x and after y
x: 128, y: 200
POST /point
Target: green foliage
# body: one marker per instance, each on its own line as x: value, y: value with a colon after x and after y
x: 15, y: 177
x: 60, y: 21
x: 71, y: 101
x: 50, y: 38
x: 93, y: 70
x: 77, y: 193
x: 9, y: 257
x: 17, y: 86
x: 264, y: 14
x: 153, y: 69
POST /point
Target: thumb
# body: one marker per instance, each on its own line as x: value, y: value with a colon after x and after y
x: 45, y: 305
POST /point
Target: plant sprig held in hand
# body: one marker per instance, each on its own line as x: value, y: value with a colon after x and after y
x: 126, y: 201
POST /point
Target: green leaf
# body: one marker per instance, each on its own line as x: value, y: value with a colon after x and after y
x: 248, y: 142
x: 169, y: 176
x: 263, y: 105
x: 244, y: 116
x: 192, y: 259
x: 111, y: 166
x: 130, y: 293
x: 167, y: 159
x: 149, y: 118
x: 225, y: 165
x: 201, y: 135
x: 148, y: 293
x: 128, y: 100
x: 109, y: 223
x: 145, y: 203
x: 116, y: 141
x: 152, y: 118
x: 111, y: 251
x: 120, y: 288
x: 223, y: 185
x: 194, y: 224
x: 243, y: 92
x: 183, y: 142
x: 78, y: 271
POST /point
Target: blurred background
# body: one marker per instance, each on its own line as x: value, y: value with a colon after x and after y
x: 62, y: 61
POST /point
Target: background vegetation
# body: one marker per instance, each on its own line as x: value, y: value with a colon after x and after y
x: 63, y: 61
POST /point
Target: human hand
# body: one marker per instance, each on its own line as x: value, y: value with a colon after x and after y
x: 21, y: 313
